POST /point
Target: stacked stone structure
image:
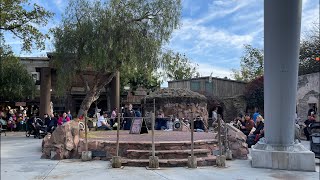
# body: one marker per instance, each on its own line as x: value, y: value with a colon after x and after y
x: 180, y: 103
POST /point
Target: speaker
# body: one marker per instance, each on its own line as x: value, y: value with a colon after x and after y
x: 177, y: 126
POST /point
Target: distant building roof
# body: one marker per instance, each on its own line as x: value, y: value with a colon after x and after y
x: 35, y: 58
x: 207, y: 77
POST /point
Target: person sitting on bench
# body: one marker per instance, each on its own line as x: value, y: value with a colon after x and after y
x: 248, y: 125
x: 102, y: 122
x: 199, y: 125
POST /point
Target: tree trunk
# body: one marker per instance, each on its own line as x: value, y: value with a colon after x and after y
x: 108, y: 100
x: 94, y: 93
x: 91, y: 96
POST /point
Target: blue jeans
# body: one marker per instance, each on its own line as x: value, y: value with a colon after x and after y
x: 104, y: 128
x: 199, y: 130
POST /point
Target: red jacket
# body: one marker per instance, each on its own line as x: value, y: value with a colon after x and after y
x: 249, y: 124
x: 60, y: 120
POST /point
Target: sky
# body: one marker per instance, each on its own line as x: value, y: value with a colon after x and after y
x: 212, y: 32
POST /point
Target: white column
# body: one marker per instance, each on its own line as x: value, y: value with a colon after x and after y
x: 282, y: 24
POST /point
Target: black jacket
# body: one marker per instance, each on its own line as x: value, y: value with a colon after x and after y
x: 53, y: 122
x: 198, y: 124
x: 47, y: 121
x: 258, y: 128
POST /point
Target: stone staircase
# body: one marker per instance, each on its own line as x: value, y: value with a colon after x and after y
x: 171, y: 154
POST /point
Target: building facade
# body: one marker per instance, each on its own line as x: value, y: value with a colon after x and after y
x: 44, y: 75
x: 308, y: 94
x: 211, y: 86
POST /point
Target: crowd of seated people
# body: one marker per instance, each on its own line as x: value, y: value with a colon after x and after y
x: 246, y: 124
x: 254, y: 130
x: 257, y: 132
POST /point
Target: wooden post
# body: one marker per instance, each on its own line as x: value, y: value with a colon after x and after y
x: 118, y: 129
x: 192, y: 160
x: 153, y: 160
x: 86, y: 132
x: 154, y: 106
x: 116, y: 160
x: 221, y: 159
x: 219, y: 135
x: 192, y: 142
x: 86, y: 155
x: 152, y: 123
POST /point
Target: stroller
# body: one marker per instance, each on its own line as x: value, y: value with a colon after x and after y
x: 314, y: 130
x: 39, y: 131
x: 3, y: 127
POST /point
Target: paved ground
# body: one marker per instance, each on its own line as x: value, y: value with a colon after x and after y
x: 159, y: 136
x: 20, y: 159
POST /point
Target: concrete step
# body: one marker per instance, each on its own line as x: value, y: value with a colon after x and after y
x: 169, y: 145
x: 201, y: 161
x: 166, y: 154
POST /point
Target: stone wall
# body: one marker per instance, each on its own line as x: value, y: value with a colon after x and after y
x: 180, y: 103
x: 237, y: 142
x: 308, y: 93
x: 108, y: 147
x: 233, y: 106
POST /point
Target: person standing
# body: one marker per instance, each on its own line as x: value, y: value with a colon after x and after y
x: 311, y: 119
x: 128, y: 117
x: 69, y: 115
x: 214, y: 116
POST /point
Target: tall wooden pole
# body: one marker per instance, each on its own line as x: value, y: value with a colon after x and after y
x: 154, y: 106
x: 117, y: 103
x: 219, y: 134
x: 192, y: 160
x: 86, y: 132
x: 192, y: 141
x: 152, y: 123
x: 118, y: 129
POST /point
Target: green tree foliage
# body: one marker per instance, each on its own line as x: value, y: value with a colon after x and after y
x: 177, y: 66
x: 254, y: 93
x: 309, y: 50
x: 140, y: 77
x: 102, y: 38
x: 16, y: 82
x: 21, y: 18
x: 251, y: 64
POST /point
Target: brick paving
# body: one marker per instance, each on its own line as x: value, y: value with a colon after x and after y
x: 160, y: 136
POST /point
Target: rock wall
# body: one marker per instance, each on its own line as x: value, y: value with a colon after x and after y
x: 233, y: 106
x: 63, y: 143
x: 237, y: 142
x: 180, y: 103
x: 308, y: 92
x: 182, y: 110
x: 109, y: 149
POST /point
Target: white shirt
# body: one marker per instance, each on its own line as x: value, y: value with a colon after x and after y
x: 214, y: 115
x: 100, y: 120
